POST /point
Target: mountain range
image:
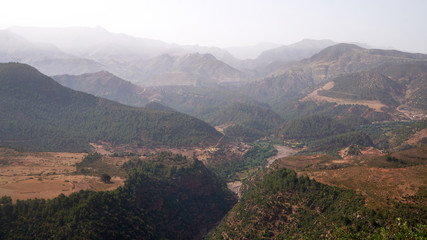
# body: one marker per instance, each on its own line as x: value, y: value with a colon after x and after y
x: 77, y: 50
x: 380, y: 82
x: 123, y: 55
x: 289, y: 82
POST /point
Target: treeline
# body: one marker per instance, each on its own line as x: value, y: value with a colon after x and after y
x: 39, y: 114
x: 151, y: 205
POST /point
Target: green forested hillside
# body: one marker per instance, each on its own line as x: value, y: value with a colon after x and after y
x: 313, y: 127
x: 367, y: 86
x: 227, y: 164
x: 39, y: 114
x: 249, y: 122
x: 277, y: 204
x: 339, y: 141
x: 181, y: 200
x: 280, y: 205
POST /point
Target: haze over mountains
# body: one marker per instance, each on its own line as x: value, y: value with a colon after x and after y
x: 290, y: 82
x: 330, y: 82
x: 78, y: 50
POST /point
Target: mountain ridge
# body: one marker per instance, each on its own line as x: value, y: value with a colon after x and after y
x: 40, y: 114
x: 331, y: 62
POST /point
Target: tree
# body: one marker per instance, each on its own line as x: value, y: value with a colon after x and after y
x: 106, y: 178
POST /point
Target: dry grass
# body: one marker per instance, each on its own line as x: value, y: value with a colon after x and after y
x: 376, y: 184
x: 45, y: 175
x: 368, y: 174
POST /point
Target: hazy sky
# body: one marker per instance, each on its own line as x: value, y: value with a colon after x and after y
x: 382, y: 23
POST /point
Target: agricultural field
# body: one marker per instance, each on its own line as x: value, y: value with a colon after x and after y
x: 47, y: 174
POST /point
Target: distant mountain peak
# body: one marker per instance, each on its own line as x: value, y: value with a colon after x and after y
x: 335, y: 51
x: 295, y: 52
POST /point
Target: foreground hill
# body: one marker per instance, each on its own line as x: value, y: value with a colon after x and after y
x: 40, y: 114
x: 165, y: 197
x: 278, y: 204
x: 281, y: 205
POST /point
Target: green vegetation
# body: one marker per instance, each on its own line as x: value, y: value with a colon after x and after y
x: 353, y: 150
x: 255, y: 157
x: 313, y: 127
x: 106, y: 85
x: 244, y: 132
x: 94, y: 164
x: 365, y: 85
x: 202, y: 102
x: 336, y: 142
x: 403, y: 133
x: 399, y: 230
x: 280, y: 205
x: 389, y: 135
x: 358, y: 114
x: 106, y: 178
x: 39, y: 114
x: 376, y: 131
x: 157, y: 202
x: 277, y: 204
x: 248, y: 121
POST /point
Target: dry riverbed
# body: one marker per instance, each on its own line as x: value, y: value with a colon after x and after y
x: 282, y: 151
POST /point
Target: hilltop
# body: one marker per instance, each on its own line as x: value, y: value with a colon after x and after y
x: 40, y: 114
x: 106, y: 85
x: 190, y: 69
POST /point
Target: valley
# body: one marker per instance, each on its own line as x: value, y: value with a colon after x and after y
x: 117, y: 137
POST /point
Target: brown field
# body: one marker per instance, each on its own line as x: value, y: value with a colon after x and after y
x: 368, y: 174
x: 315, y: 97
x: 376, y: 184
x: 45, y: 175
